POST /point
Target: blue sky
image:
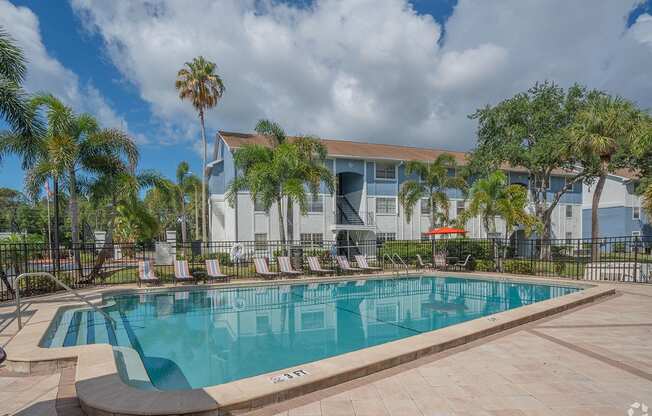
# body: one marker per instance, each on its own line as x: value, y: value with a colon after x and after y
x: 385, y: 71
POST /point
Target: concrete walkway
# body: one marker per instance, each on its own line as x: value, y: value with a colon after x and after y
x: 594, y: 360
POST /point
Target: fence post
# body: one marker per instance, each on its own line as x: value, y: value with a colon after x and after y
x: 635, y: 258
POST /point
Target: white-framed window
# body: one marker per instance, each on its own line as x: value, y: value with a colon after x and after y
x: 315, y: 239
x: 636, y: 213
x: 385, y: 170
x: 425, y: 206
x: 569, y: 211
x: 312, y: 320
x: 636, y: 233
x: 459, y: 207
x: 387, y: 313
x: 315, y: 204
x: 381, y: 237
x: 258, y: 205
x: 260, y: 241
x: 385, y: 205
x: 451, y: 172
x: 567, y: 181
x: 569, y: 237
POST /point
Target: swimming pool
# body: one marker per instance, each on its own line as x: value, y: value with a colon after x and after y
x: 203, y: 337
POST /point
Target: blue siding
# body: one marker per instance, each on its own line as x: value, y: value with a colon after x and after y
x: 613, y: 222
x: 350, y: 165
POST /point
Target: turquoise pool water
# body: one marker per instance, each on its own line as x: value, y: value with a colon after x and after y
x: 196, y: 338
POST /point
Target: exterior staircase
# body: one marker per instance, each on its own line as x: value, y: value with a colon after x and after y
x: 346, y: 214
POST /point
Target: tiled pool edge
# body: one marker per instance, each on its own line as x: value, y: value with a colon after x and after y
x: 102, y: 392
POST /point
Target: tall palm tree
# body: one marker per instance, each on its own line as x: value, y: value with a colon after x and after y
x: 607, y: 127
x: 434, y: 179
x: 290, y: 170
x: 493, y: 197
x: 199, y: 83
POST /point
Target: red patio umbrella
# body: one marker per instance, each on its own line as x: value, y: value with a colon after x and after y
x: 445, y: 230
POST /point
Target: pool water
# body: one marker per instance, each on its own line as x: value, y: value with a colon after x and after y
x: 203, y: 337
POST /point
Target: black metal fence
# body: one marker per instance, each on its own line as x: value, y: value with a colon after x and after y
x: 624, y: 259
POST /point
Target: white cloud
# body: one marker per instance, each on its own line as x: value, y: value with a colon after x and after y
x: 369, y: 69
x: 47, y: 74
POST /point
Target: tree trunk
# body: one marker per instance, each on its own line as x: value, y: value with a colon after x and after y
x: 289, y: 219
x: 107, y: 248
x: 55, y: 252
x: 432, y: 212
x: 595, y: 223
x: 281, y: 229
x: 74, y: 222
x: 204, y: 230
x: 197, y: 237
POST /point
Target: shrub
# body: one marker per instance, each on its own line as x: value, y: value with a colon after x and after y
x: 461, y: 247
x: 408, y: 250
x: 619, y: 247
x: 484, y: 266
x: 518, y: 267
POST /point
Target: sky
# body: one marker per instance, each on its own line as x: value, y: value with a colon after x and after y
x: 384, y: 71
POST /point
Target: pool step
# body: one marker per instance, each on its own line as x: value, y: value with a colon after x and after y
x: 89, y: 327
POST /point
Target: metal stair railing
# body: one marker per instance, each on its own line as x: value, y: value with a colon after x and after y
x: 63, y: 285
x: 407, y: 271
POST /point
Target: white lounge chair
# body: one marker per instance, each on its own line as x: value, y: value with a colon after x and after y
x: 262, y: 269
x: 146, y: 273
x: 286, y: 267
x: 213, y: 270
x: 421, y: 264
x: 315, y: 267
x: 362, y: 263
x: 182, y: 272
x: 344, y: 265
x: 463, y: 264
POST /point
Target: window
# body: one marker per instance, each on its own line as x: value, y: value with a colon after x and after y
x: 312, y: 239
x: 260, y: 241
x: 262, y: 324
x: 459, y: 207
x: 567, y: 182
x: 382, y: 237
x: 258, y: 205
x: 569, y: 211
x: 387, y: 313
x: 636, y: 233
x: 636, y: 213
x: 385, y: 206
x: 425, y: 207
x: 569, y: 237
x: 315, y: 204
x: 312, y: 320
x: 385, y: 170
x: 451, y: 172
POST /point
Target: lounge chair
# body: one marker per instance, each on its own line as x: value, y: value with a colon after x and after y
x: 146, y: 273
x: 182, y: 273
x: 213, y: 270
x: 286, y: 267
x: 362, y: 263
x: 463, y: 264
x: 344, y: 265
x: 315, y: 267
x: 421, y: 264
x: 262, y: 269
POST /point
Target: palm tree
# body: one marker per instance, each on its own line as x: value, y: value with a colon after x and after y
x: 74, y: 144
x: 14, y: 107
x: 493, y: 197
x: 647, y: 199
x: 607, y: 127
x: 178, y: 192
x: 434, y: 180
x: 282, y: 171
x: 199, y: 83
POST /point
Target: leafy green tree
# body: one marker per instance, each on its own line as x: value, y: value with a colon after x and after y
x: 434, y: 180
x: 494, y: 197
x: 199, y: 83
x: 179, y: 193
x: 603, y: 135
x: 530, y: 131
x: 286, y: 170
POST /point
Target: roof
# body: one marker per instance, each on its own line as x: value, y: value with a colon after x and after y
x: 346, y: 148
x: 351, y: 149
x: 627, y: 173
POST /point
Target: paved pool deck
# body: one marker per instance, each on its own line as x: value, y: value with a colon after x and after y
x: 592, y: 360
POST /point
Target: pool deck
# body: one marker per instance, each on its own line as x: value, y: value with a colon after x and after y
x: 594, y: 359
